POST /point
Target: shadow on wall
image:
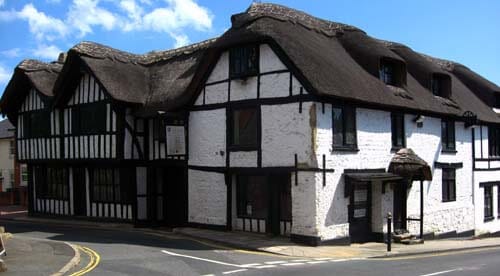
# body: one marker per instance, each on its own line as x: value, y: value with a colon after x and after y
x: 337, y: 212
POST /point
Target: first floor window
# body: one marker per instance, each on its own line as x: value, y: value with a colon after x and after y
x: 36, y: 124
x: 244, y: 124
x: 449, y: 185
x: 398, y: 130
x: 109, y: 185
x: 12, y: 147
x: 494, y: 141
x: 448, y: 135
x: 344, y: 127
x: 488, y: 202
x: 51, y: 182
x: 252, y: 196
x: 89, y: 118
x: 24, y: 174
x: 244, y: 61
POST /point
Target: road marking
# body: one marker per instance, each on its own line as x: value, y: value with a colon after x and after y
x: 275, y: 262
x: 300, y: 261
x: 322, y: 259
x: 292, y: 264
x: 250, y: 265
x: 94, y: 261
x: 441, y: 272
x: 339, y: 260
x: 201, y: 259
x: 234, y: 271
x: 265, y: 266
x: 317, y: 262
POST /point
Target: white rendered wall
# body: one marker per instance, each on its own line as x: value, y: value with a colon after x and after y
x: 207, y: 193
x: 492, y: 226
x: 374, y: 143
x: 207, y: 138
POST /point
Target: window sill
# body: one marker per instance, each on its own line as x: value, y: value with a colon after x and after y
x: 488, y: 219
x: 450, y: 151
x: 345, y: 149
x: 244, y: 77
x: 242, y: 148
x: 449, y: 200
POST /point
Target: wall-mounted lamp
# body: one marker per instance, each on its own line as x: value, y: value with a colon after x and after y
x: 419, y: 120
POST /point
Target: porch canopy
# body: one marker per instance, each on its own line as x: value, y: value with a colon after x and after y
x: 368, y: 175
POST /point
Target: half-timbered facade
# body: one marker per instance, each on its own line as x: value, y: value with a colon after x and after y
x: 286, y: 124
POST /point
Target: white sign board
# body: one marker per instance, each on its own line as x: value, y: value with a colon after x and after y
x: 176, y: 140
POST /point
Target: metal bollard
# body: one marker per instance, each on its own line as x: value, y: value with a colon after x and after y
x: 389, y: 231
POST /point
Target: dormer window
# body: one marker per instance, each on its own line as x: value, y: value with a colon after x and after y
x: 441, y: 85
x: 392, y: 72
x: 244, y: 61
x: 496, y: 104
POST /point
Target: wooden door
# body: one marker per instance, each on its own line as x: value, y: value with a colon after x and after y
x: 79, y: 191
x: 399, y: 216
x: 360, y: 212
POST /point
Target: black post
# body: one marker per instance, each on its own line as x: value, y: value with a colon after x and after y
x: 389, y: 231
x: 422, y: 210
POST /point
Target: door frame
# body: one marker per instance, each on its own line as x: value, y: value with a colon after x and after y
x: 367, y: 218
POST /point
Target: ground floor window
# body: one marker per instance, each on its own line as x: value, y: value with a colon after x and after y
x: 488, y: 203
x: 252, y: 197
x: 51, y: 182
x: 110, y: 185
x: 449, y: 185
x: 286, y: 201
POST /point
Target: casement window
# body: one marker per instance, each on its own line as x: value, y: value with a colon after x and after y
x: 12, y: 147
x: 109, y: 185
x: 344, y: 127
x: 252, y: 196
x: 24, y: 174
x: 89, y: 119
x: 441, y: 85
x: 36, y: 124
x: 159, y: 131
x: 448, y: 184
x: 448, y: 135
x: 494, y: 141
x: 51, y: 182
x: 244, y: 61
x: 488, y: 203
x: 398, y: 130
x: 392, y: 72
x: 244, y: 123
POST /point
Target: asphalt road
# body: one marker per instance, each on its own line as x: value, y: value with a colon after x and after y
x: 133, y: 253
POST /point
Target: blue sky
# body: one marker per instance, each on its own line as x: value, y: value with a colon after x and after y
x: 461, y: 30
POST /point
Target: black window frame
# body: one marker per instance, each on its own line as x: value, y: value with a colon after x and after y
x: 36, y: 124
x: 493, y: 141
x: 244, y: 61
x: 449, y: 184
x: 441, y: 85
x: 351, y: 124
x: 448, y: 142
x: 159, y: 130
x: 89, y: 118
x: 252, y: 145
x: 392, y: 72
x: 398, y: 131
x: 110, y: 185
x: 488, y: 203
x: 52, y: 182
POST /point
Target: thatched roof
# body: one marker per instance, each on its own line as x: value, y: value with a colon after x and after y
x: 333, y: 61
x: 28, y: 74
x: 407, y: 164
x: 153, y: 79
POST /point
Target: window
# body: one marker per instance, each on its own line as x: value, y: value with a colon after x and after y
x: 36, y: 124
x: 449, y: 185
x: 344, y: 127
x: 441, y: 85
x: 12, y: 178
x: 488, y: 202
x: 12, y: 147
x: 398, y: 131
x: 252, y: 196
x: 244, y: 123
x: 24, y: 173
x: 496, y: 104
x: 244, y: 61
x: 51, y: 182
x: 159, y: 131
x: 89, y: 119
x: 107, y: 187
x: 391, y: 72
x: 448, y: 135
x: 494, y: 141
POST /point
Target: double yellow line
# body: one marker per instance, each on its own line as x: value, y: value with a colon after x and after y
x: 94, y: 261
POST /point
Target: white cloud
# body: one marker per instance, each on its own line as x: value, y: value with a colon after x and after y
x: 180, y: 40
x: 48, y: 52
x: 83, y: 14
x: 11, y: 53
x: 41, y: 25
x: 4, y: 75
x: 134, y: 13
x: 53, y: 1
x: 2, y: 2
